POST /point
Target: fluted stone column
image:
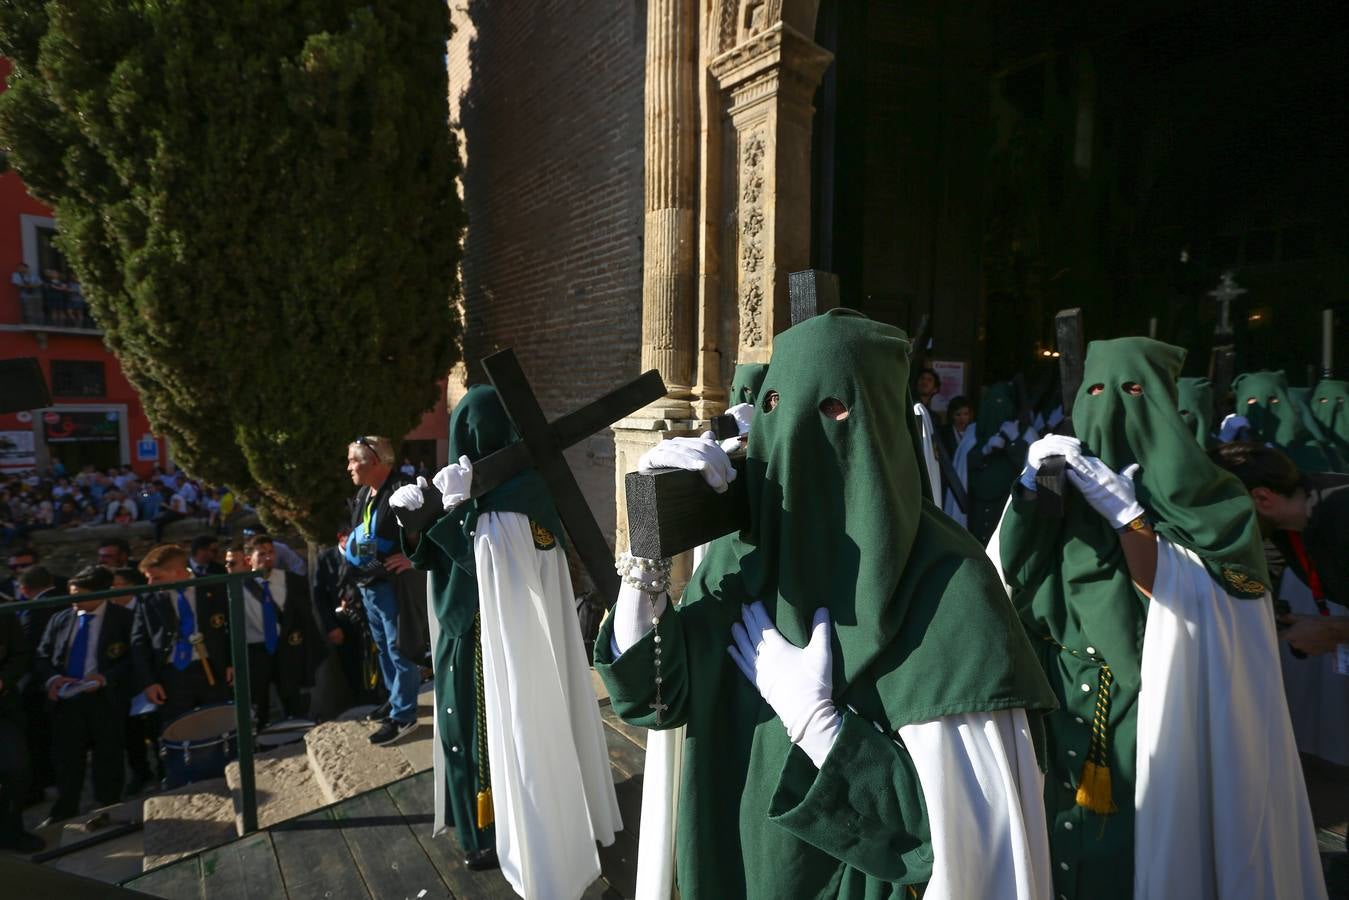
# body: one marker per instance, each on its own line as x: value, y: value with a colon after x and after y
x: 671, y: 169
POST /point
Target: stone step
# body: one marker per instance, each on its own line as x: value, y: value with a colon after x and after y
x: 185, y: 820
x: 345, y: 763
x: 284, y: 784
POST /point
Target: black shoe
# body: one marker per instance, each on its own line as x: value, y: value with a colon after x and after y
x: 23, y: 842
x: 392, y: 731
x: 481, y: 860
x: 379, y: 713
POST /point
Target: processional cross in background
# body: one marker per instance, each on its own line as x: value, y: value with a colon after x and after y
x: 1226, y: 291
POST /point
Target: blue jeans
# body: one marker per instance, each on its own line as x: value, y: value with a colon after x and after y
x: 401, y: 675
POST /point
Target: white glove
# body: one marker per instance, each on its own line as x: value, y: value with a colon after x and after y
x: 632, y: 616
x: 743, y: 415
x: 1110, y: 493
x: 996, y: 442
x: 1053, y: 445
x: 700, y: 454
x: 1009, y: 430
x: 1232, y: 428
x: 409, y: 496
x: 454, y: 482
x: 797, y: 682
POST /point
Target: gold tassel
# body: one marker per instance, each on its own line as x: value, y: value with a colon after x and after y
x: 486, y: 813
x: 1094, y: 791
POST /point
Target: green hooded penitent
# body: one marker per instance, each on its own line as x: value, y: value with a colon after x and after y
x: 1194, y: 399
x: 921, y: 629
x: 745, y: 385
x: 478, y: 426
x: 1072, y: 588
x: 1264, y: 399
x: 991, y: 476
x: 1330, y: 407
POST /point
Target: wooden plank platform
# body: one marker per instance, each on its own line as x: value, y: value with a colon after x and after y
x: 379, y: 844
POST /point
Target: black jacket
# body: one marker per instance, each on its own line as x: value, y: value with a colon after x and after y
x: 14, y: 658
x: 115, y: 657
x: 301, y: 647
x: 333, y: 583
x: 386, y: 524
x: 156, y: 631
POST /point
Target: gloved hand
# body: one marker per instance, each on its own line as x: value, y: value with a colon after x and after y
x: 454, y: 483
x: 797, y: 682
x: 700, y: 454
x: 1234, y: 428
x: 1110, y: 493
x: 743, y: 415
x: 996, y: 442
x: 1053, y: 445
x: 416, y: 506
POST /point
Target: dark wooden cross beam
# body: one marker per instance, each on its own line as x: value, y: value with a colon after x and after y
x: 810, y: 293
x: 1051, y: 479
x: 541, y: 446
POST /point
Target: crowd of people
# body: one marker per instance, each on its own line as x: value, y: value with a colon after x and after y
x: 52, y: 298
x: 54, y: 498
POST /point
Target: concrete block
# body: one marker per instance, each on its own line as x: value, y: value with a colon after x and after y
x: 284, y: 783
x: 186, y: 820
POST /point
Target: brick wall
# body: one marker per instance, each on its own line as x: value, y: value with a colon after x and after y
x: 548, y: 100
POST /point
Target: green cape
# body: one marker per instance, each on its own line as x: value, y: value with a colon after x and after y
x: 1266, y: 402
x: 1330, y: 406
x: 745, y: 385
x: 838, y: 519
x: 1195, y: 399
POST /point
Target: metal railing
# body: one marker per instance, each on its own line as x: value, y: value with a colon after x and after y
x: 243, y: 711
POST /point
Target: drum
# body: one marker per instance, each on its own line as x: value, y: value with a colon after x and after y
x: 197, y: 745
x: 287, y: 731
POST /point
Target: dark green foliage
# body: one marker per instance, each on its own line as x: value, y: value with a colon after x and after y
x: 259, y: 199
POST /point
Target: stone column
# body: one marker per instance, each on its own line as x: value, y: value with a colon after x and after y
x: 770, y: 79
x: 669, y: 252
x: 671, y: 173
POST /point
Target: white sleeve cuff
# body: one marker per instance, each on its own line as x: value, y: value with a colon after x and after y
x: 632, y: 616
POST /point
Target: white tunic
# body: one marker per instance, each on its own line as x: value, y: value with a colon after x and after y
x: 552, y: 788
x: 1221, y: 805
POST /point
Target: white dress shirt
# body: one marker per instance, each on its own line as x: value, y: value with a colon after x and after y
x: 91, y: 651
x: 276, y: 581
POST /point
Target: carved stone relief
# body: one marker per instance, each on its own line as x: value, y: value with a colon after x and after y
x: 752, y: 160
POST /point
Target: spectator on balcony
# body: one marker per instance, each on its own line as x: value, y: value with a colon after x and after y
x: 77, y: 306
x: 29, y: 289
x: 53, y: 297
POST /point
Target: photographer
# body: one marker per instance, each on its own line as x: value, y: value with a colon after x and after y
x: 390, y: 590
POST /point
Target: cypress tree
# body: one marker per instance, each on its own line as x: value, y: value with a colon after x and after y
x: 259, y: 199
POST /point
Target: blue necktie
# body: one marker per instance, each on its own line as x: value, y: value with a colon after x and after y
x: 269, y: 633
x: 187, y: 626
x: 79, y: 648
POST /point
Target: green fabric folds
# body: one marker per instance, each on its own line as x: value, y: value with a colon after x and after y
x: 1265, y: 400
x: 1195, y: 400
x: 921, y: 629
x: 746, y: 383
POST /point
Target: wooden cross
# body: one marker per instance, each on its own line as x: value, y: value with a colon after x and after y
x: 1051, y: 479
x: 541, y: 446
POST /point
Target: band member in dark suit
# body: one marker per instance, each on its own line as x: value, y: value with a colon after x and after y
x: 284, y: 645
x: 202, y: 558
x: 35, y: 582
x: 15, y: 764
x: 185, y: 638
x: 88, y: 643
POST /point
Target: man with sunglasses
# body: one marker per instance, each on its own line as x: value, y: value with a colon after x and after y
x: 390, y: 589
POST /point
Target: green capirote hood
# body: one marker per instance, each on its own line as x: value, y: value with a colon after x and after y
x: 1194, y: 398
x: 746, y: 383
x: 839, y: 519
x: 1277, y: 418
x: 1330, y: 406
